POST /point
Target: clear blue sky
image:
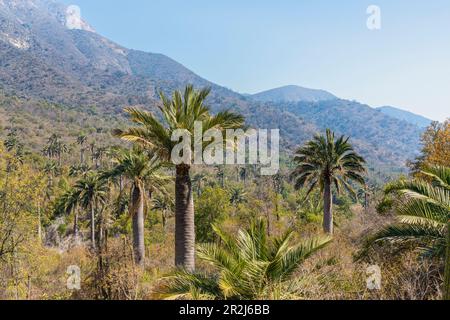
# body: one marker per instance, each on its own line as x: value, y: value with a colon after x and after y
x: 255, y: 45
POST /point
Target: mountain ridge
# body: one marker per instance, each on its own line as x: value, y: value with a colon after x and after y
x: 82, y: 68
x: 405, y: 115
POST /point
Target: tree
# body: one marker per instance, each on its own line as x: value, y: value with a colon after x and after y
x: 142, y: 169
x: 55, y: 148
x: 52, y: 169
x: 447, y: 267
x: 324, y: 162
x: 220, y: 174
x: 78, y: 170
x: 67, y: 204
x: 423, y: 208
x: 91, y: 192
x: 436, y: 147
x: 165, y: 205
x: 81, y: 141
x: 248, y: 265
x: 237, y: 195
x: 179, y: 113
x: 213, y: 207
x: 198, y: 180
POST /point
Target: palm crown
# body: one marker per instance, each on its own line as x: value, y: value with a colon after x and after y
x: 180, y: 112
x: 248, y: 265
x: 423, y: 207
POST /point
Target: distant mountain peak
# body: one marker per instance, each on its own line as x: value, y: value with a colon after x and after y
x: 293, y: 93
x: 28, y: 12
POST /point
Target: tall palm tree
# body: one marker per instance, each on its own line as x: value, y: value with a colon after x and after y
x: 142, y: 170
x: 81, y: 141
x: 248, y: 265
x: 90, y: 193
x: 324, y: 162
x: 423, y: 206
x: 180, y: 112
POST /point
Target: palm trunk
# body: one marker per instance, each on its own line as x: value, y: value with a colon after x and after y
x: 184, y: 220
x: 39, y: 223
x: 328, y: 207
x: 447, y: 267
x: 75, y: 226
x: 93, y: 226
x: 138, y: 225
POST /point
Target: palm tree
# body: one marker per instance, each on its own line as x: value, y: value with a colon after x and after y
x: 91, y: 192
x: 248, y: 265
x: 81, y: 141
x: 323, y: 162
x: 447, y: 267
x: 52, y: 169
x: 142, y: 171
x: 220, y: 174
x: 78, y: 170
x: 55, y: 148
x: 179, y: 113
x: 165, y: 205
x: 243, y: 175
x: 237, y: 195
x: 423, y: 206
x: 67, y: 204
x: 198, y: 180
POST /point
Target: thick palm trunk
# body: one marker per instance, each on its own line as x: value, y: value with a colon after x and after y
x: 328, y: 207
x: 138, y: 226
x: 93, y: 226
x: 184, y: 220
x: 447, y: 267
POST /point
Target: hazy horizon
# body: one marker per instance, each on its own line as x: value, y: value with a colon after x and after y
x: 257, y: 46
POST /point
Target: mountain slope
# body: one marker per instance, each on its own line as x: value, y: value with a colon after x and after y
x: 42, y: 59
x: 407, y: 116
x: 293, y: 94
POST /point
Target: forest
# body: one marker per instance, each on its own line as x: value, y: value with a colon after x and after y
x: 92, y: 207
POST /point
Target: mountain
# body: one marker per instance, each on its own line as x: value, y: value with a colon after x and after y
x: 293, y: 94
x: 50, y: 61
x: 406, y: 116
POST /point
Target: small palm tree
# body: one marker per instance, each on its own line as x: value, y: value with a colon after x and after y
x: 179, y: 113
x: 81, y: 141
x: 91, y: 192
x: 78, y: 170
x: 142, y: 170
x: 198, y: 180
x: 423, y: 206
x: 248, y: 265
x: 237, y: 195
x: 324, y: 162
x: 165, y: 205
x: 67, y: 204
